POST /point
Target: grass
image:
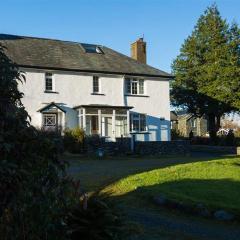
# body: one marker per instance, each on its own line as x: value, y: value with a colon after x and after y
x: 213, y: 183
x: 95, y: 174
x: 131, y: 182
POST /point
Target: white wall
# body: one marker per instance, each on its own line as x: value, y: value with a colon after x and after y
x: 156, y: 104
x: 75, y: 89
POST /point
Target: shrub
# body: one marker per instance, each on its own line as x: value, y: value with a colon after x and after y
x: 230, y: 139
x: 34, y: 193
x: 94, y: 140
x: 74, y: 140
x: 94, y: 219
x: 201, y: 141
x: 175, y: 134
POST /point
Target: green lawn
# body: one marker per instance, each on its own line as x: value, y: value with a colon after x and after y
x: 215, y: 183
x: 132, y: 182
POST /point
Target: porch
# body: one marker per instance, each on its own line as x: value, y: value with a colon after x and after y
x: 107, y: 121
x: 53, y: 117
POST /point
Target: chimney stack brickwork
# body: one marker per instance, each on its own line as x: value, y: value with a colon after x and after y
x: 138, y: 51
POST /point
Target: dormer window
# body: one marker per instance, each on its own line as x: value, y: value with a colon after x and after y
x: 92, y: 48
x: 49, y: 82
x: 134, y: 86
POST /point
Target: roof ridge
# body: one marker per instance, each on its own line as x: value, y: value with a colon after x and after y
x: 52, y: 39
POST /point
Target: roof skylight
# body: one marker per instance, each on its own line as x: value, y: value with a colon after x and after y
x: 91, y: 48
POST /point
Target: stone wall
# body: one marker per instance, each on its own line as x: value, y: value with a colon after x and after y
x: 215, y: 149
x: 163, y: 148
x: 123, y: 146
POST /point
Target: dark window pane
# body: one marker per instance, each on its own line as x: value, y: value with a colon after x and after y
x: 91, y: 48
x: 141, y: 87
x: 95, y: 84
x: 137, y: 122
x: 142, y: 122
x: 48, y: 82
x: 135, y: 125
x: 134, y: 87
x: 128, y: 86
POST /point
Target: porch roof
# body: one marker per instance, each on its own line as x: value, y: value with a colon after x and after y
x: 102, y: 106
x: 51, y: 105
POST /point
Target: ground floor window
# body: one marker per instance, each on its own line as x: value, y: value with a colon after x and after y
x: 121, y: 126
x: 49, y: 120
x: 138, y: 122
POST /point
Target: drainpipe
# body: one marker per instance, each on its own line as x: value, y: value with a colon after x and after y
x: 123, y: 91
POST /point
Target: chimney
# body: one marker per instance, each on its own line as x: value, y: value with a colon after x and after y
x: 138, y: 51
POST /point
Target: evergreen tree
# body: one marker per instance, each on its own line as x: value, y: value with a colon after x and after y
x: 207, y: 70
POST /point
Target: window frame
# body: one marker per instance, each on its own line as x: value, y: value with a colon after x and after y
x: 92, y: 48
x: 135, y: 86
x: 98, y: 85
x: 137, y: 118
x: 45, y: 115
x: 49, y: 76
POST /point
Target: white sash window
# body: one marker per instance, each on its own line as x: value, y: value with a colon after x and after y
x: 138, y: 122
x: 134, y: 86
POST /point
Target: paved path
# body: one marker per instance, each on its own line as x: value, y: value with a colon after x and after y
x: 187, y: 227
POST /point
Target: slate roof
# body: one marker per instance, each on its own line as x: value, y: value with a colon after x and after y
x: 50, y: 105
x: 53, y: 54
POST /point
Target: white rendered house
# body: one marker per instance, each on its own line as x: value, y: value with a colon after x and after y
x: 70, y: 84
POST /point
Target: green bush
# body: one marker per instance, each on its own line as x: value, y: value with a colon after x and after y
x: 175, y: 134
x: 94, y: 219
x: 35, y: 194
x: 74, y: 140
x: 93, y: 140
x: 230, y: 139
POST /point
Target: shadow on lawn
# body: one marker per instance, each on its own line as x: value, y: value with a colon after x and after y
x: 96, y: 174
x: 187, y: 194
x: 140, y: 208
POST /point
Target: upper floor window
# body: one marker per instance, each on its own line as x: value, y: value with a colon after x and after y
x: 134, y: 86
x: 96, y: 84
x: 48, y: 82
x: 138, y: 122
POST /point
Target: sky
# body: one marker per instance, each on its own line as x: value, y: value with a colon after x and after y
x: 113, y: 23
